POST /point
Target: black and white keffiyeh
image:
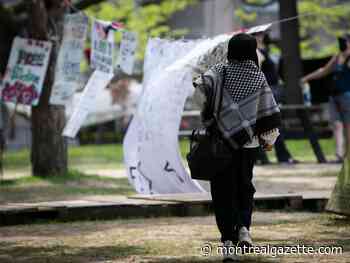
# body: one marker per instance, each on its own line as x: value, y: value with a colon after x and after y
x: 241, y: 79
x: 248, y: 108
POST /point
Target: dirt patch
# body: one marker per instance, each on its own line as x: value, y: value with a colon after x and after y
x: 161, y: 240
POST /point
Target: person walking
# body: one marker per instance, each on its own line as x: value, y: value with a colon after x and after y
x: 339, y: 101
x: 268, y: 67
x: 249, y: 117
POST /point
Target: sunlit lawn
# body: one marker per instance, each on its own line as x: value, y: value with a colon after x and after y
x: 112, y: 154
x: 19, y: 186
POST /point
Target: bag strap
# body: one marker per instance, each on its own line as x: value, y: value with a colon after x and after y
x: 219, y: 92
x: 215, y: 93
x: 221, y: 89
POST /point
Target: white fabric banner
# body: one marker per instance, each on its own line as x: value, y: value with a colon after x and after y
x: 127, y: 52
x: 96, y: 83
x: 161, y: 53
x: 67, y: 75
x: 151, y: 148
x: 26, y: 71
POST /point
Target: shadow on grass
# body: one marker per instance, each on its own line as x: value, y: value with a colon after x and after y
x: 67, y: 254
x: 337, y: 220
x: 61, y: 187
x: 203, y: 259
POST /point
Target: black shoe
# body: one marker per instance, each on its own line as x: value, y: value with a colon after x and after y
x: 338, y: 160
x: 290, y: 161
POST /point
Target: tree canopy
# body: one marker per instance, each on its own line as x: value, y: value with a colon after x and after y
x: 147, y: 20
x: 325, y: 20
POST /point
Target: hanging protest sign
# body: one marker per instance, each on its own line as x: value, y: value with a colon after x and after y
x: 127, y: 52
x: 151, y: 151
x: 96, y: 83
x: 67, y: 75
x: 102, y: 41
x: 26, y: 71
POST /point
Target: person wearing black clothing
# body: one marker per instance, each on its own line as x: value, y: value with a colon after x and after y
x: 248, y: 119
x: 268, y: 67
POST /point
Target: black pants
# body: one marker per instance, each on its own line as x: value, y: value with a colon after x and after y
x: 282, y: 152
x: 233, y: 194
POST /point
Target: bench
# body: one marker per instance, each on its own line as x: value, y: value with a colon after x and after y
x: 300, y: 112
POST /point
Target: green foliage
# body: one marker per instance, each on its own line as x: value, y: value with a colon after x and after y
x: 147, y: 20
x: 255, y: 2
x: 327, y: 18
x: 245, y: 16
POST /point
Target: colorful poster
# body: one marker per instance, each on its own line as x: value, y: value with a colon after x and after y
x: 26, y: 71
x: 67, y: 75
x: 102, y: 49
x: 96, y: 83
x: 127, y: 52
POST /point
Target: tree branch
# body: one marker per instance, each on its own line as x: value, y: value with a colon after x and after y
x: 39, y: 18
x: 82, y: 4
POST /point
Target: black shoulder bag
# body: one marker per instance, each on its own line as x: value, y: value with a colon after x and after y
x: 209, y: 153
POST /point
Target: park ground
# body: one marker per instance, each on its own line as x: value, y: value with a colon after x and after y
x: 98, y: 171
x: 162, y: 240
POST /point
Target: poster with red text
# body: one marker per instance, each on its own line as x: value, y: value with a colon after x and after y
x: 26, y: 71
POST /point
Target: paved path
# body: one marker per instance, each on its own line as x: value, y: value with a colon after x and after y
x: 309, y: 179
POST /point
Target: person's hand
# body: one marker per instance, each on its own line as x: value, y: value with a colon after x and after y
x: 303, y: 81
x: 265, y: 145
x: 342, y: 58
x: 197, y: 80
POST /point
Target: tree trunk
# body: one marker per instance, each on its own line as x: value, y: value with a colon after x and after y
x: 290, y: 40
x: 49, y: 147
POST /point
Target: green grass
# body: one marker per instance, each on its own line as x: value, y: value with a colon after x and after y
x: 112, y: 154
x: 82, y: 155
x: 300, y: 149
x: 18, y: 186
x: 70, y: 186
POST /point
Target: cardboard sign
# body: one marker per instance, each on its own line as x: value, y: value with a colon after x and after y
x: 127, y: 52
x: 96, y: 83
x: 67, y: 75
x: 102, y: 49
x: 26, y: 71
